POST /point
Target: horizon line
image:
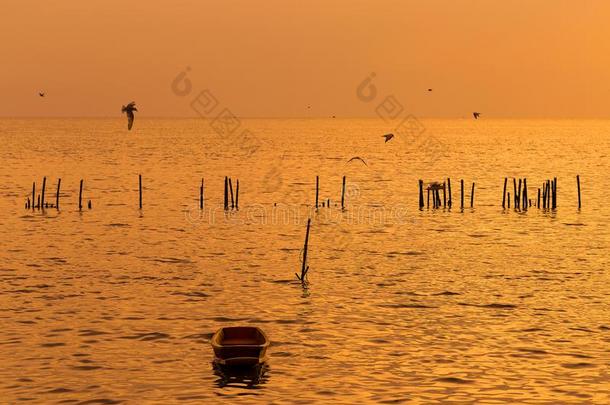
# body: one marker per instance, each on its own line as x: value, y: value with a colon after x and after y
x: 300, y: 117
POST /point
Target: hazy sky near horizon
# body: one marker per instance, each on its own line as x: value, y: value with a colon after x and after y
x: 273, y: 58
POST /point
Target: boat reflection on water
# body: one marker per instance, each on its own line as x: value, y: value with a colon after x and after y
x: 249, y: 377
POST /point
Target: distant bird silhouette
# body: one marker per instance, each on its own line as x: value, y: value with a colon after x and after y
x: 41, y: 94
x: 129, y: 109
x: 358, y: 158
x: 429, y: 89
x: 388, y: 137
x: 476, y: 115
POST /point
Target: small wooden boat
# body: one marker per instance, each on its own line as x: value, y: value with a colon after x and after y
x: 240, y: 345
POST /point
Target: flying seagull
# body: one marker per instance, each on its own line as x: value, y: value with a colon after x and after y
x: 41, y: 94
x: 358, y: 158
x: 129, y: 109
x: 476, y: 115
x: 388, y: 137
x: 429, y: 89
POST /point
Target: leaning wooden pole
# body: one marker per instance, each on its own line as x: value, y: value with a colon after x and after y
x: 449, y: 187
x: 504, y: 194
x: 57, y: 195
x: 33, y: 194
x: 304, y: 266
x: 472, y: 196
x: 578, y: 184
x: 80, y: 196
x: 231, y: 188
x: 44, y: 184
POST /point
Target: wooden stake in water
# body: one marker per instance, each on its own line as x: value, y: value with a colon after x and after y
x: 304, y: 266
x: 33, y: 194
x: 57, y: 195
x: 554, y: 192
x: 544, y: 195
x: 508, y: 199
x: 226, y: 193
x: 237, y: 195
x: 515, y: 192
x: 504, y: 194
x: 444, y: 195
x: 525, y: 199
x: 140, y: 188
x: 44, y: 184
x: 472, y: 196
x: 80, y: 196
x: 578, y: 184
x: 518, y: 196
x: 231, y: 188
x: 343, y: 194
x: 428, y: 199
x: 449, y: 187
x: 462, y: 193
x: 538, y: 203
x: 201, y: 195
x: 317, y: 189
x: 421, y: 194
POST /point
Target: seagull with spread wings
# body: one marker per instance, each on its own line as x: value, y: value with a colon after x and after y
x: 476, y: 115
x: 129, y: 109
x: 358, y: 158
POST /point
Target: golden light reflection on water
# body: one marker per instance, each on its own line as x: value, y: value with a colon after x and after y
x: 118, y: 304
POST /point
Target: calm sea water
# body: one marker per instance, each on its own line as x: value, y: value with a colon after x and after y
x: 117, y: 305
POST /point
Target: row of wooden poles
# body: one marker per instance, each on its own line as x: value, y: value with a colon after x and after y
x: 327, y: 203
x: 547, y: 194
x: 521, y: 200
x: 435, y: 189
x: 38, y: 202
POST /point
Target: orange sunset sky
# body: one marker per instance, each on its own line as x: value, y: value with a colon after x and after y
x: 273, y: 58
